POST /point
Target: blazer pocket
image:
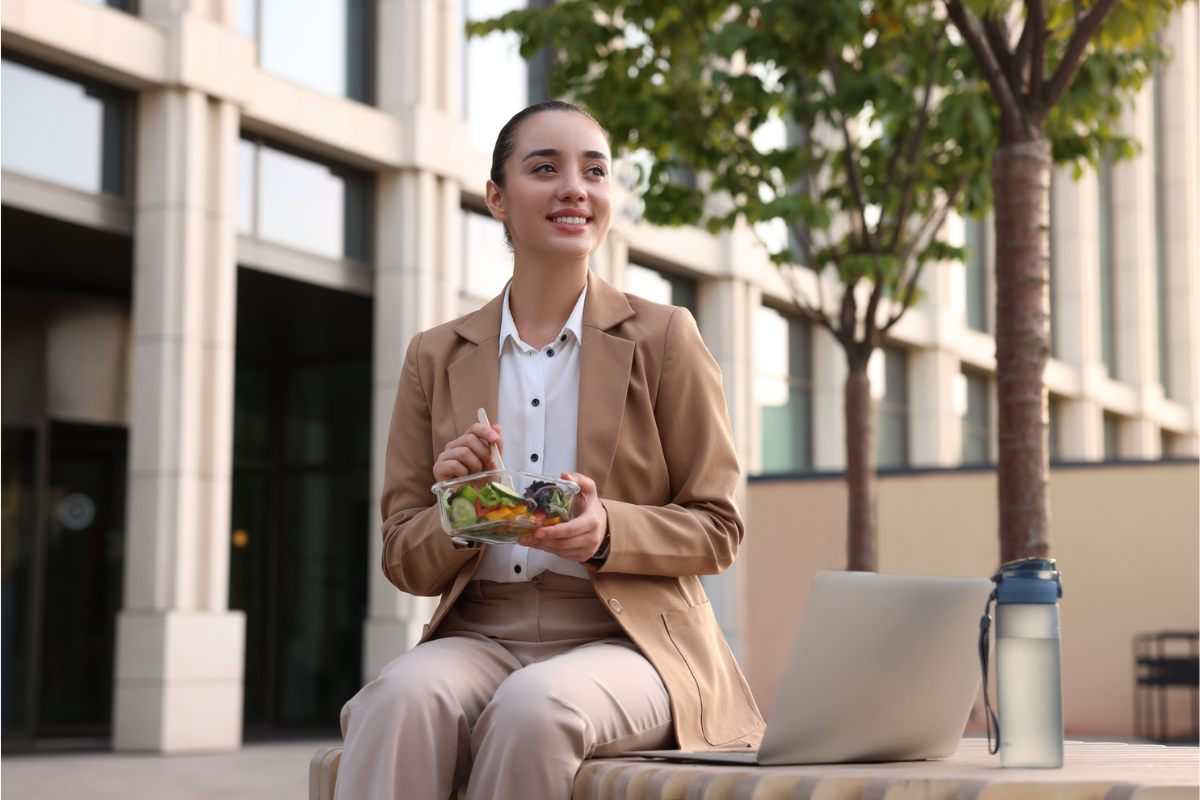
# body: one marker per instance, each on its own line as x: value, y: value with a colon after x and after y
x: 726, y: 708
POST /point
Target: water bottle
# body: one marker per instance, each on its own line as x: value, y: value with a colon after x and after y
x: 1028, y: 666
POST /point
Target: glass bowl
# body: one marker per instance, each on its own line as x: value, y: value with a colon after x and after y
x: 501, y: 505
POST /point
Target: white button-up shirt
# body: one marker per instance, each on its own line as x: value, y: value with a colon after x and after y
x: 538, y: 411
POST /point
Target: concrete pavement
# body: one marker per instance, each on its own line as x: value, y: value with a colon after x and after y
x: 259, y: 771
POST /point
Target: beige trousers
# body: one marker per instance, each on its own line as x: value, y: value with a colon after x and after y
x: 522, y: 683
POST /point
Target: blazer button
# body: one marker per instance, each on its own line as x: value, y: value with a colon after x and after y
x: 615, y: 604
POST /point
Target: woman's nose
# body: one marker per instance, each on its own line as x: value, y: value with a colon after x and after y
x: 571, y: 188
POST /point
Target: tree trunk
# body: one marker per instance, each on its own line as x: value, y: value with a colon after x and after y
x: 860, y: 470
x: 1021, y: 182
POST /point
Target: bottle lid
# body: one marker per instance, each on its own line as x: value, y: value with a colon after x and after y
x: 1028, y: 580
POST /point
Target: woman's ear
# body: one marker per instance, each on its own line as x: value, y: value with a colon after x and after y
x: 495, y: 202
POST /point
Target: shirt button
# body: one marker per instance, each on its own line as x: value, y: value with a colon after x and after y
x: 533, y: 457
x: 550, y: 353
x: 562, y: 338
x: 517, y: 569
x: 615, y: 604
x: 536, y: 402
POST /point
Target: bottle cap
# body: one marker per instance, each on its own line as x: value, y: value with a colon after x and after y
x: 1028, y: 580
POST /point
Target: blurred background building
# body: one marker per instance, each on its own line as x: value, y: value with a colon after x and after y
x: 224, y: 220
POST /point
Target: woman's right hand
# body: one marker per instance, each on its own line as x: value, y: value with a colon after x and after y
x: 469, y: 453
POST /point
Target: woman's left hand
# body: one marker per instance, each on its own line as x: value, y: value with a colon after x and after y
x: 579, y: 538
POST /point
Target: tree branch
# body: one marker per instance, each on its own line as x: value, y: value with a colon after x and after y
x: 935, y: 221
x: 852, y: 175
x: 806, y: 308
x: 910, y: 291
x: 870, y: 326
x: 913, y: 145
x: 1087, y: 26
x: 1021, y: 54
x: 913, y: 171
x: 848, y: 318
x: 908, y: 288
x: 992, y: 71
x: 996, y: 31
x: 1035, y: 26
x: 818, y: 270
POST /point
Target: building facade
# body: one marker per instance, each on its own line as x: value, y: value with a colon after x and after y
x: 224, y: 222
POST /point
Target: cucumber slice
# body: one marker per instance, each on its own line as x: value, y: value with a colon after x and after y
x: 462, y: 512
x: 506, y: 493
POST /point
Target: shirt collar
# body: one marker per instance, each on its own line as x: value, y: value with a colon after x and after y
x: 508, y: 328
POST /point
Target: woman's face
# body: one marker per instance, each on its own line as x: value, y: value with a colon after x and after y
x: 558, y: 197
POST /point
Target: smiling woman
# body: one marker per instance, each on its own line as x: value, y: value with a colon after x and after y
x: 579, y: 640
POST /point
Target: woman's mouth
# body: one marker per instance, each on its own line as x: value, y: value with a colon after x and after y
x: 570, y: 222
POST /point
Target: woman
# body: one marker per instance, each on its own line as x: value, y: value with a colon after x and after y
x: 593, y: 636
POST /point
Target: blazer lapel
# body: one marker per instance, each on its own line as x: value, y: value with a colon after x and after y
x: 474, y: 384
x: 475, y: 377
x: 604, y: 369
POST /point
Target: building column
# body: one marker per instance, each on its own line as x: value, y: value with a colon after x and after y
x: 1135, y: 309
x: 934, y: 418
x: 1077, y: 304
x: 414, y: 288
x: 1181, y: 239
x: 179, y: 649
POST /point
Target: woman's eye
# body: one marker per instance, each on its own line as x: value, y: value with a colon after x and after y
x: 543, y: 168
x: 597, y: 172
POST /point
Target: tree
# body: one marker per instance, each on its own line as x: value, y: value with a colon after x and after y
x: 1057, y: 87
x: 888, y: 134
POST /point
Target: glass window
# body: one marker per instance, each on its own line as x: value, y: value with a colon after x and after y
x: 976, y: 419
x: 976, y: 278
x: 1112, y: 437
x: 1107, y: 331
x: 891, y: 410
x: 495, y: 77
x: 63, y: 130
x: 295, y: 201
x: 487, y: 261
x: 322, y: 44
x: 783, y: 390
x: 661, y: 287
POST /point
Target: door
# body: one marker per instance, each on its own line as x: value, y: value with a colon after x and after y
x: 300, y: 498
x: 63, y: 536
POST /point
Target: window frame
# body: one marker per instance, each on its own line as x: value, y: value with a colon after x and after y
x: 350, y: 175
x: 684, y: 287
x: 794, y: 383
x: 884, y: 406
x: 127, y: 152
x: 980, y: 431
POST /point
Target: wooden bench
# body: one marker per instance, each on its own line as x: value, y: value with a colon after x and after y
x: 1092, y: 771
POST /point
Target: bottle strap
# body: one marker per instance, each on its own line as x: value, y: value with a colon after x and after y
x: 985, y: 626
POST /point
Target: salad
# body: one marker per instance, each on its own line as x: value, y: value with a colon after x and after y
x: 542, y: 505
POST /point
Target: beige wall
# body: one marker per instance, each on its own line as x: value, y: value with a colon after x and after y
x: 1127, y: 540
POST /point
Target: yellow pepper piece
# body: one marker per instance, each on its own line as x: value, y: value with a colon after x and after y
x: 499, y: 513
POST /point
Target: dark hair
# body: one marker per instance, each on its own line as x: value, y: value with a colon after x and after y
x: 506, y: 141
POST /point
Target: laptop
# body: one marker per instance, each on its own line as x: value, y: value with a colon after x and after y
x: 884, y: 668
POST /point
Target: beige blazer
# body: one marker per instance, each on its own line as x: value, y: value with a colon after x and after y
x: 653, y: 434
